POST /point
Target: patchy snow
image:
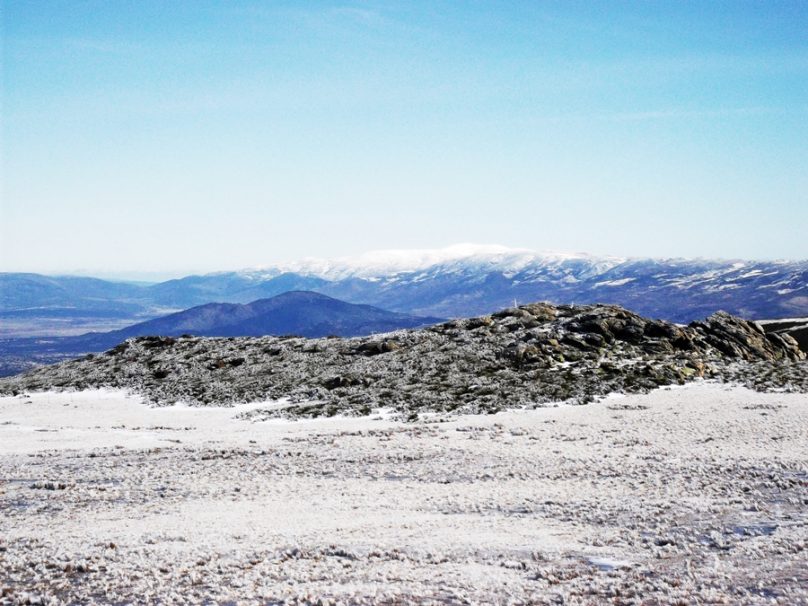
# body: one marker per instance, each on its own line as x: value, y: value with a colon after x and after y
x: 758, y: 273
x: 105, y: 418
x: 780, y: 320
x: 620, y: 282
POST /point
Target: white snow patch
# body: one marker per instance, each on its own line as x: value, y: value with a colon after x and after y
x: 619, y: 282
x: 102, y: 418
x: 779, y: 320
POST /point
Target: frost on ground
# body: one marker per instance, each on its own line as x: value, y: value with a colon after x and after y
x: 688, y: 494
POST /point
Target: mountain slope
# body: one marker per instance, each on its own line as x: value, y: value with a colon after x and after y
x: 301, y: 313
x: 27, y: 290
x: 453, y: 282
x: 675, y: 289
x: 33, y: 304
x: 467, y: 279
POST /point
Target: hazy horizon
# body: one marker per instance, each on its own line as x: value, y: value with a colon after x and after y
x: 182, y: 138
x: 139, y: 275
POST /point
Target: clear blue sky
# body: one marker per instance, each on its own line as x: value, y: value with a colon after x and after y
x: 194, y: 136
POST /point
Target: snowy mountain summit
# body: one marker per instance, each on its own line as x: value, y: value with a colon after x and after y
x: 458, y: 257
x: 460, y: 280
x: 466, y: 279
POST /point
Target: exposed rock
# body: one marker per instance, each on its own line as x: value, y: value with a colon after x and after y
x: 480, y: 322
x: 152, y: 342
x: 738, y: 338
x: 373, y: 348
x: 521, y: 356
x: 797, y: 329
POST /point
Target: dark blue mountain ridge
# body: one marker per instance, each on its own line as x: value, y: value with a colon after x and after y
x: 29, y: 291
x: 303, y: 313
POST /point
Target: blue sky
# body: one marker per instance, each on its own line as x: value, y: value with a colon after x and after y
x: 196, y: 136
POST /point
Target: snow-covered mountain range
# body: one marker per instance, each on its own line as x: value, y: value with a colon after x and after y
x: 468, y: 279
x: 460, y: 280
x: 457, y: 258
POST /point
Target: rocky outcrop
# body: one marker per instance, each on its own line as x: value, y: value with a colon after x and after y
x: 521, y: 356
x: 738, y: 338
x: 795, y: 328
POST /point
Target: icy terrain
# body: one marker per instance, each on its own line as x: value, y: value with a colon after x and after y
x: 684, y: 495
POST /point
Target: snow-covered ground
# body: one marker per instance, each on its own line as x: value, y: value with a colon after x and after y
x: 388, y: 263
x: 696, y: 493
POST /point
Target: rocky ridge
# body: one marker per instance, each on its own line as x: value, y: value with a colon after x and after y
x: 524, y: 356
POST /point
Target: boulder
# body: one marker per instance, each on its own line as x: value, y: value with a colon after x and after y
x: 374, y: 348
x: 543, y: 312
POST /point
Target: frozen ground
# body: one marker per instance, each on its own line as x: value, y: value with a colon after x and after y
x: 689, y: 494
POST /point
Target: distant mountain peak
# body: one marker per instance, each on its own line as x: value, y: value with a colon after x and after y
x: 386, y: 263
x: 459, y: 280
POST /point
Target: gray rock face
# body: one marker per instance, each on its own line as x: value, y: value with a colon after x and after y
x: 796, y: 328
x: 747, y: 340
x: 523, y: 356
